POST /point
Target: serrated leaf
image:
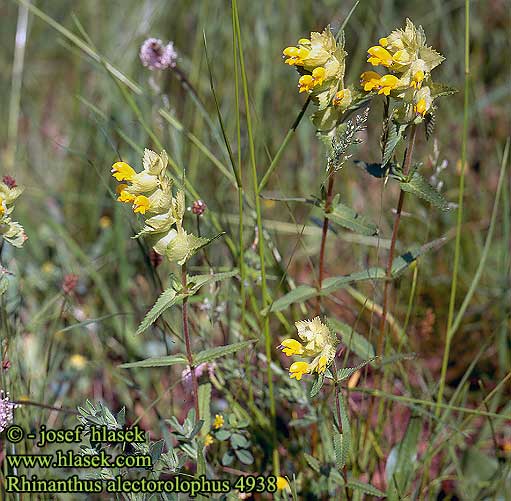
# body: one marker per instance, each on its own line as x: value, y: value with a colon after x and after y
x: 419, y: 187
x: 441, y: 90
x: 346, y: 372
x: 204, y: 395
x: 365, y: 488
x: 317, y: 385
x: 353, y: 340
x: 394, y: 136
x: 157, y: 362
x: 348, y: 218
x: 402, y: 262
x: 167, y: 299
x: 198, y: 281
x: 220, y: 351
x: 312, y: 462
x: 244, y: 456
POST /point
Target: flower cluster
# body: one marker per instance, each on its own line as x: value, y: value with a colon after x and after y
x: 316, y: 341
x: 6, y: 410
x: 10, y: 230
x: 321, y: 62
x: 155, y: 55
x: 150, y: 194
x: 409, y: 62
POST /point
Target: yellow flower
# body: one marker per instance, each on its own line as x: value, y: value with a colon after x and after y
x: 122, y: 171
x: 383, y: 42
x: 298, y: 369
x: 420, y: 107
x: 417, y: 79
x: 124, y: 196
x: 379, y: 55
x: 308, y: 82
x: 296, y: 55
x: 282, y: 483
x: 291, y: 347
x: 208, y: 440
x: 2, y: 207
x: 77, y: 361
x: 141, y: 204
x: 369, y: 80
x: 218, y: 422
x: 387, y: 83
x: 322, y: 361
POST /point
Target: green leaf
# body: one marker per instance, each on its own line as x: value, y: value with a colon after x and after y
x: 227, y: 458
x: 312, y: 462
x: 222, y: 435
x: 402, y: 460
x: 198, y: 281
x: 332, y: 284
x: 167, y: 299
x: 441, y: 90
x: 220, y: 351
x: 157, y: 362
x: 244, y: 456
x: 366, y: 488
x: 348, y: 218
x: 354, y: 341
x: 345, y: 373
x: 401, y: 263
x: 395, y: 135
x: 239, y: 441
x: 297, y: 295
x: 342, y: 441
x: 204, y: 395
x: 419, y: 187
x: 317, y: 385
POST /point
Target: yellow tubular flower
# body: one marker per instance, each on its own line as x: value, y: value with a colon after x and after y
x: 307, y: 82
x: 319, y: 75
x: 295, y: 55
x: 421, y: 107
x: 298, y: 369
x: 383, y: 42
x: 122, y: 171
x: 291, y: 347
x: 2, y: 208
x: 320, y: 368
x: 417, y: 79
x: 218, y: 422
x: 141, y: 204
x: 387, y: 83
x: 126, y: 197
x: 369, y: 80
x: 282, y: 483
x: 379, y: 55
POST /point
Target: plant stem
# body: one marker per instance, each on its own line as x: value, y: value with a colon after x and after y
x: 386, y: 289
x: 188, y: 345
x: 459, y: 221
x: 324, y: 234
x: 264, y: 293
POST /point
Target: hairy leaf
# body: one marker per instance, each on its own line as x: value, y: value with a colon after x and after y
x: 220, y: 351
x: 157, y: 362
x: 419, y: 187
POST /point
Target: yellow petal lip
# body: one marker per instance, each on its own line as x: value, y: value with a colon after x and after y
x: 421, y: 106
x: 379, y: 56
x: 123, y: 171
x: 383, y: 42
x: 141, y: 204
x: 291, y: 347
x: 298, y: 369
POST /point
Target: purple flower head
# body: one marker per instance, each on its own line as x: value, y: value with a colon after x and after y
x: 199, y: 371
x: 6, y: 410
x: 157, y: 56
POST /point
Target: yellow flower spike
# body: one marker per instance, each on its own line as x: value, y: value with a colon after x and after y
x: 369, y: 80
x: 141, y: 204
x: 298, y: 369
x: 291, y: 347
x: 218, y: 422
x: 282, y: 484
x: 379, y: 55
x: 387, y: 83
x: 421, y: 107
x: 208, y: 440
x: 383, y: 42
x: 122, y: 171
x: 417, y: 79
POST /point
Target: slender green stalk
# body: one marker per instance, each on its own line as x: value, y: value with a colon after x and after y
x: 188, y: 344
x: 264, y: 297
x: 459, y: 222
